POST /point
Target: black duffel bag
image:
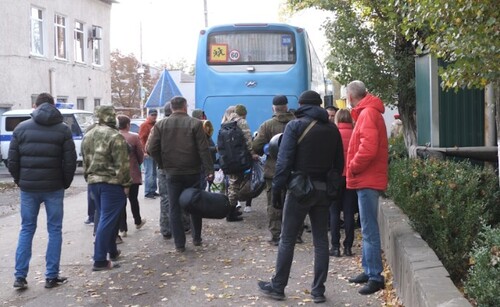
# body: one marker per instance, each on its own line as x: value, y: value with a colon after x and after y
x: 205, y: 204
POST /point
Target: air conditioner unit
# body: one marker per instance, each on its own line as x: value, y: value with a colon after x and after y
x: 96, y: 33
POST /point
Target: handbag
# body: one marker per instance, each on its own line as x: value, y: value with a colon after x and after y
x: 299, y: 183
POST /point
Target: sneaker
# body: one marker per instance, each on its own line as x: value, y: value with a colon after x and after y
x: 89, y: 222
x: 371, y: 287
x: 139, y: 226
x: 150, y: 196
x: 54, y: 282
x: 318, y: 298
x: 274, y: 241
x: 197, y: 242
x: 20, y: 283
x: 115, y: 257
x: 123, y: 234
x: 111, y: 265
x: 247, y: 209
x: 267, y: 289
x: 360, y: 279
x: 167, y: 236
x: 156, y: 194
x: 119, y: 240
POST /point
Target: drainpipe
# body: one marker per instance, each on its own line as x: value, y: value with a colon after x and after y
x: 52, y: 83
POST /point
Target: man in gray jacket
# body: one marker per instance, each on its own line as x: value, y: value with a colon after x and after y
x: 181, y: 162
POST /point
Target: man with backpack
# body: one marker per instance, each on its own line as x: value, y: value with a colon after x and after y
x: 234, y: 144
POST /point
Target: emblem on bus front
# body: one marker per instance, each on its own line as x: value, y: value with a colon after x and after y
x: 251, y: 83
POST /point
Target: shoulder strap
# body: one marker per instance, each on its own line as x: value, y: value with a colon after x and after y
x: 307, y: 130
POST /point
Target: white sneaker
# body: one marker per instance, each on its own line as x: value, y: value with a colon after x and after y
x: 123, y: 234
x: 247, y: 209
x: 239, y: 204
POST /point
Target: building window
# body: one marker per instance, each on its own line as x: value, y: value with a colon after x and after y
x: 79, y: 42
x: 80, y: 103
x: 97, y: 102
x: 36, y: 31
x: 96, y: 45
x: 59, y: 37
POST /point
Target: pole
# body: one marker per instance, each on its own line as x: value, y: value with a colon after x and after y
x: 206, y: 13
x: 140, y: 71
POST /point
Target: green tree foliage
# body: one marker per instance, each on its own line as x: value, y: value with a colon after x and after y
x: 367, y: 43
x: 464, y: 33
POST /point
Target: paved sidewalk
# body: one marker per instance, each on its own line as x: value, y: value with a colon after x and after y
x: 222, y: 272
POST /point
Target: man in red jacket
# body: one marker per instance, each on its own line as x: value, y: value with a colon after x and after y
x: 367, y: 159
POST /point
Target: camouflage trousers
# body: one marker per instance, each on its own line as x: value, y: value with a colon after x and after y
x: 274, y: 215
x: 165, y: 206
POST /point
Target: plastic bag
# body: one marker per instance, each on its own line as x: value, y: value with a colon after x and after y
x: 219, y: 176
x: 254, y: 182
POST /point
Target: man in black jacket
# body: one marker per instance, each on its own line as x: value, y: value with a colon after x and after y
x: 312, y: 145
x: 42, y: 160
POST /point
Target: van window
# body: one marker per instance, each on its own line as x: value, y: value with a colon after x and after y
x: 12, y: 122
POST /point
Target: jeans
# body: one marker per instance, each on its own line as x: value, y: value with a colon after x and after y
x: 347, y: 203
x: 150, y: 184
x: 90, y: 207
x: 30, y: 206
x: 175, y: 185
x: 110, y: 199
x: 294, y: 213
x: 371, y: 254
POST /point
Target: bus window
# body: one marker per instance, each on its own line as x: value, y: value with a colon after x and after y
x: 245, y: 47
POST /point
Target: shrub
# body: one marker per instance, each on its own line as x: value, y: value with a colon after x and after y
x: 446, y: 202
x: 483, y: 282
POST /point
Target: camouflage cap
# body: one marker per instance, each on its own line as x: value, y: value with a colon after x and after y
x: 106, y: 115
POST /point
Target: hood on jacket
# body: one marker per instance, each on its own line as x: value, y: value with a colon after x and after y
x: 369, y: 101
x: 106, y: 115
x: 47, y: 114
x: 313, y: 111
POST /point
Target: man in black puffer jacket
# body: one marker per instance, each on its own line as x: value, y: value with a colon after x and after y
x: 42, y: 160
x: 312, y: 145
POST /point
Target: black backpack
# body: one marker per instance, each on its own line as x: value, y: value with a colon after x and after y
x: 234, y: 157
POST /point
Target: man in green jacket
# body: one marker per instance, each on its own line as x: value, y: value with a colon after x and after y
x: 267, y: 130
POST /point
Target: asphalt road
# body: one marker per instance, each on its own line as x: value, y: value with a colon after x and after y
x: 222, y: 272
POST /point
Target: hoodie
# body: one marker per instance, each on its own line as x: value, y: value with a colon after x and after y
x: 42, y: 156
x: 105, y: 151
x: 368, y: 152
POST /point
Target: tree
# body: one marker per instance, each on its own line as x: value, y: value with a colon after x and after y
x: 367, y: 44
x: 125, y: 88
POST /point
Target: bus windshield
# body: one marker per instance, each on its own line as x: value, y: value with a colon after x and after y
x: 251, y: 47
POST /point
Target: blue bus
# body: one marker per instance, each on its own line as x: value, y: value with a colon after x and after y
x: 251, y: 63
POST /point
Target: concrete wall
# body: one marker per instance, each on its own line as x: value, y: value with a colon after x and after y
x: 24, y: 74
x: 418, y: 275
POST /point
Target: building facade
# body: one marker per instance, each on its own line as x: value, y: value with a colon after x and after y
x: 56, y: 46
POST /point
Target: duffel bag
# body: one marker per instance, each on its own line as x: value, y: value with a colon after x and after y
x: 205, y: 204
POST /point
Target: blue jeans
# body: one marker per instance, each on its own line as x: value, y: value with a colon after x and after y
x: 371, y: 254
x: 110, y: 199
x: 294, y: 213
x: 150, y: 184
x: 30, y: 206
x: 175, y: 185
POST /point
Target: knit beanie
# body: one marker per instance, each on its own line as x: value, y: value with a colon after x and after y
x: 310, y: 97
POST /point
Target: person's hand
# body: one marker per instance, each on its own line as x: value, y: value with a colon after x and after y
x: 255, y: 157
x: 210, y: 178
x: 277, y: 199
x: 126, y: 191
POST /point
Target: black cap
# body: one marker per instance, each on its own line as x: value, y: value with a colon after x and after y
x: 310, y: 97
x: 280, y: 100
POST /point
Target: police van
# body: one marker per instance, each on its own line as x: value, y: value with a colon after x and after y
x: 77, y: 120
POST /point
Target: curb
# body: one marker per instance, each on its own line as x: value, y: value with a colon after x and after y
x: 420, y: 278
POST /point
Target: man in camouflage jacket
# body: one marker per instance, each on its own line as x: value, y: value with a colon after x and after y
x: 106, y: 170
x: 267, y: 130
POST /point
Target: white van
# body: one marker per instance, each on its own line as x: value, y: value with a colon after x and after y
x: 77, y: 120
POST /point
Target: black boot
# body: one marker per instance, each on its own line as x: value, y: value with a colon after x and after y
x: 233, y: 216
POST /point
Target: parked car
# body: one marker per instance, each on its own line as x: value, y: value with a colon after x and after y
x: 135, y: 123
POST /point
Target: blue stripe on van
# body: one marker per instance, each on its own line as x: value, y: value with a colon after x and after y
x: 8, y: 138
